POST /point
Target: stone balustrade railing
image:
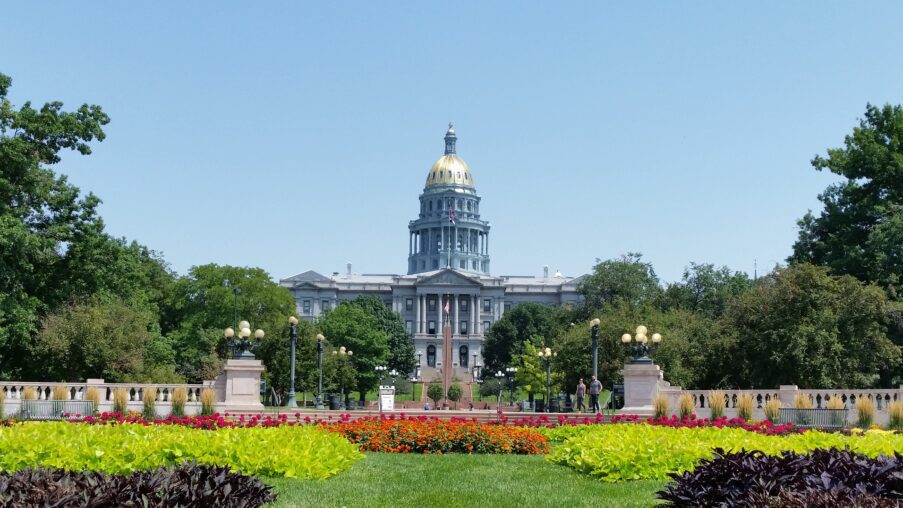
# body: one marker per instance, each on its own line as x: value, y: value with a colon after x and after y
x: 787, y: 394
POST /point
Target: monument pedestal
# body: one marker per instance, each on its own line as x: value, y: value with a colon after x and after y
x: 238, y: 387
x: 642, y: 382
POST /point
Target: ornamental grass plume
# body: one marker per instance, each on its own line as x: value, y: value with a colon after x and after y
x: 120, y: 401
x: 835, y: 402
x: 2, y: 401
x: 179, y: 398
x: 660, y: 405
x: 208, y: 401
x: 29, y: 393
x: 745, y: 404
x: 150, y: 403
x: 865, y: 412
x: 685, y: 405
x: 93, y: 395
x: 895, y: 415
x: 802, y: 401
x: 773, y: 410
x: 717, y: 403
x: 60, y: 392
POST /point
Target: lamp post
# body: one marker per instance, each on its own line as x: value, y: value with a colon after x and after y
x: 499, y: 376
x: 640, y: 351
x: 235, y: 291
x: 319, y: 400
x: 394, y: 374
x: 546, y: 356
x: 511, y: 371
x: 242, y: 346
x: 595, y: 341
x: 381, y: 370
x: 293, y: 336
x: 346, y: 355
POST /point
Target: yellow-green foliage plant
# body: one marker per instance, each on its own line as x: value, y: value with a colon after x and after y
x: 179, y: 398
x: 865, y: 412
x: 773, y: 410
x: 60, y: 392
x: 305, y: 452
x: 717, y: 403
x: 150, y: 403
x: 121, y: 401
x: 836, y: 402
x: 93, y: 394
x: 685, y: 405
x: 208, y: 401
x: 745, y: 405
x: 895, y: 415
x: 617, y: 453
x: 660, y: 406
x: 29, y: 393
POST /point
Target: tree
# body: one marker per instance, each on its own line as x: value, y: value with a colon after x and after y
x: 800, y: 325
x: 706, y: 290
x: 626, y: 281
x: 435, y: 393
x: 359, y: 331
x: 401, y: 347
x: 275, y: 352
x: 455, y: 393
x: 505, y: 340
x: 860, y: 230
x: 531, y: 374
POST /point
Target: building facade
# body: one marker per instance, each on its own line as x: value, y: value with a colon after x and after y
x: 448, y: 279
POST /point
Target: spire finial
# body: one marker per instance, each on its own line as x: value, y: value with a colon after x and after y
x: 450, y: 139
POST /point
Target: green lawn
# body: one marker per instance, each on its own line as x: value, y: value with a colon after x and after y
x: 460, y: 480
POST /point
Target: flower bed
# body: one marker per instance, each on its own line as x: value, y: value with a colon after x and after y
x: 303, y: 452
x: 633, y: 452
x: 427, y: 435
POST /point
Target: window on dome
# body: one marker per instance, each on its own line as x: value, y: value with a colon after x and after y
x: 431, y: 206
x: 459, y: 174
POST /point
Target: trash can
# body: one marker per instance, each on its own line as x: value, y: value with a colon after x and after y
x: 539, y: 406
x: 335, y: 401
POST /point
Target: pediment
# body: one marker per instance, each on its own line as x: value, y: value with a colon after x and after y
x: 448, y: 278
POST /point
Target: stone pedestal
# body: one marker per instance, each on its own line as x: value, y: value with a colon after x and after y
x: 238, y: 387
x: 642, y: 382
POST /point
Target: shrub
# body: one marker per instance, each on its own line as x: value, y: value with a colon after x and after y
x: 454, y: 393
x: 121, y: 400
x: 822, y: 478
x: 289, y: 451
x: 435, y: 393
x: 745, y: 404
x: 208, y: 401
x: 29, y: 393
x: 93, y: 395
x: 865, y: 412
x: 717, y: 403
x: 773, y: 410
x: 895, y: 415
x: 150, y: 403
x: 179, y: 398
x: 685, y: 405
x: 187, y: 485
x: 660, y: 405
x: 60, y: 392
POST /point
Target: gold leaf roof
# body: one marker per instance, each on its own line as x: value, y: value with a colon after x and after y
x: 449, y: 170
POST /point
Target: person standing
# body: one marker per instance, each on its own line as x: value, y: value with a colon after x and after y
x: 595, y: 388
x: 581, y: 393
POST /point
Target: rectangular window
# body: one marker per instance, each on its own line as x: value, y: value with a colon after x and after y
x: 507, y: 306
x: 487, y: 305
x: 461, y: 264
x: 463, y: 327
x: 486, y: 325
x: 464, y: 305
x: 409, y: 304
x: 305, y: 306
x: 431, y: 329
x: 409, y: 326
x: 431, y: 304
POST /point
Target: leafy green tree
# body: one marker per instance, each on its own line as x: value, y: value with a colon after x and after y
x: 506, y: 339
x: 455, y: 393
x: 435, y: 393
x: 275, y: 352
x: 490, y: 387
x: 860, y: 230
x: 531, y: 373
x: 401, y: 347
x: 350, y: 326
x: 626, y: 281
x: 706, y: 290
x: 802, y: 326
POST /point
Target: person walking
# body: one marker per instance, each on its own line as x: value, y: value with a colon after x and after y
x: 581, y: 393
x: 595, y: 388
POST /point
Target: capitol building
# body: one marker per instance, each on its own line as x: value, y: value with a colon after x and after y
x: 448, y: 277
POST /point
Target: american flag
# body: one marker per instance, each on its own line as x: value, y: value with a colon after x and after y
x: 451, y: 215
x: 446, y: 307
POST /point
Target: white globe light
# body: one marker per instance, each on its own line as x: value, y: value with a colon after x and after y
x: 641, y: 330
x: 292, y: 320
x: 243, y: 324
x: 350, y: 352
x: 229, y: 333
x: 244, y: 333
x: 258, y: 334
x: 595, y: 322
x: 625, y: 338
x: 641, y: 339
x: 342, y: 350
x: 548, y: 351
x: 656, y: 337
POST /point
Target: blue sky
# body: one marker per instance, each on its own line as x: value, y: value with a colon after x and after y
x: 297, y: 136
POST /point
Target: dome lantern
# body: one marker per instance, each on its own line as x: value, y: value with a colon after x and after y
x: 450, y: 139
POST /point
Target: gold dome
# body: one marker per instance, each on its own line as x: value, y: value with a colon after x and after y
x: 449, y: 170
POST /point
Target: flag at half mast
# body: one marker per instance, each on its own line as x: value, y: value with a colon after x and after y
x: 451, y: 215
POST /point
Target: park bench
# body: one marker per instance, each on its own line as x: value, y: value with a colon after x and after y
x: 55, y: 409
x: 816, y: 418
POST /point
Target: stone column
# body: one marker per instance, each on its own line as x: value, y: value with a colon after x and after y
x: 417, y: 321
x: 475, y: 301
x: 787, y: 394
x: 438, y: 313
x: 456, y: 303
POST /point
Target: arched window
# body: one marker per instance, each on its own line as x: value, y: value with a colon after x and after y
x: 462, y: 356
x: 431, y: 356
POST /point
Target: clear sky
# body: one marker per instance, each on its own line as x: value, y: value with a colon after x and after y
x: 297, y: 136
